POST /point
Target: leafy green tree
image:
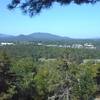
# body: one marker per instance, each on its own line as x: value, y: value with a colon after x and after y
x: 25, y: 70
x: 86, y: 86
x: 47, y: 79
x: 65, y: 84
x: 76, y: 83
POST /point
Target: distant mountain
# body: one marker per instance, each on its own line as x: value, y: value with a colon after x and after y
x: 4, y: 35
x: 47, y: 36
x: 33, y: 37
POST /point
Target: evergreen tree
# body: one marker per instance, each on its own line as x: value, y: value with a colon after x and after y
x: 7, y: 79
x: 33, y: 7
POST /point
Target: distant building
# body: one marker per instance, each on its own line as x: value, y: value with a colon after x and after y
x: 50, y: 45
x: 77, y: 46
x: 40, y: 44
x: 6, y: 43
x: 91, y: 60
x: 89, y: 46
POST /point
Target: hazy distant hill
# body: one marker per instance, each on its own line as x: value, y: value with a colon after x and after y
x: 32, y: 37
x: 4, y: 35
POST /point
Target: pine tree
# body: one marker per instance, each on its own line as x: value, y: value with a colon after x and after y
x: 7, y: 78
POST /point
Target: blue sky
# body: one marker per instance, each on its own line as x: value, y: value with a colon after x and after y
x: 76, y: 21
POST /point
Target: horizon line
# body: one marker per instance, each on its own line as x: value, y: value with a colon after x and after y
x: 96, y: 37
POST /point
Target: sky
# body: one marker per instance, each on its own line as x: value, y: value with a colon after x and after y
x: 75, y: 21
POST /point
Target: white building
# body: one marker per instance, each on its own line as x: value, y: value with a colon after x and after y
x: 89, y: 46
x: 6, y: 43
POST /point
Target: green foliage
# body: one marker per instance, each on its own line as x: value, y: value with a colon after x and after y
x: 47, y: 78
x: 60, y: 74
x: 8, y: 95
x: 30, y: 50
x: 86, y: 86
x: 25, y: 70
x: 7, y: 79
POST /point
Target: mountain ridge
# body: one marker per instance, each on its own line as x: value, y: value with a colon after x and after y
x: 37, y: 36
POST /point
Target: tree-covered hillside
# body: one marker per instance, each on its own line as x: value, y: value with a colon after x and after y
x: 37, y: 72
